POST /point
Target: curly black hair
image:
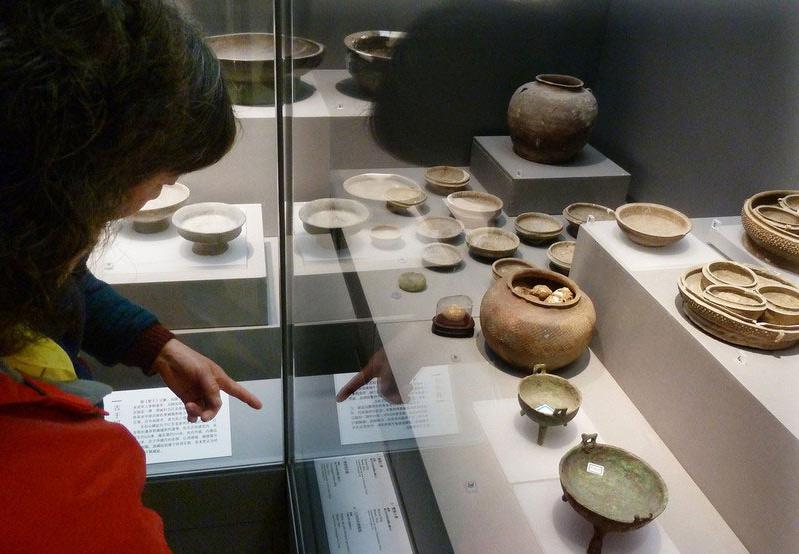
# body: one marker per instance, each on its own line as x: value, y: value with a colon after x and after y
x: 96, y: 96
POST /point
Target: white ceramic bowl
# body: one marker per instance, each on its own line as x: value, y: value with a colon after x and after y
x: 209, y: 225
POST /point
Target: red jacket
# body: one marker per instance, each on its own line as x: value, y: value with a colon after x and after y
x: 71, y: 481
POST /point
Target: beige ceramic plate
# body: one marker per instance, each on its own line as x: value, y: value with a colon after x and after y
x: 561, y: 254
x: 723, y: 272
x: 403, y: 197
x: 439, y: 228
x: 505, y: 267
x: 579, y: 213
x: 790, y: 202
x: 325, y: 214
x: 385, y: 234
x: 439, y: 254
x: 374, y: 186
x: 447, y: 177
x: 652, y: 224
x: 537, y: 227
x: 491, y: 242
x: 781, y: 218
x: 745, y: 302
x: 471, y: 206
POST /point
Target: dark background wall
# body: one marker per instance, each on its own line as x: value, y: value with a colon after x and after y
x: 698, y: 99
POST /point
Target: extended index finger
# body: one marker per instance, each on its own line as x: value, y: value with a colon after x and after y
x: 235, y: 390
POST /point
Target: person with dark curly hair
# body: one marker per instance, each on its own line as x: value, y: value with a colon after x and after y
x: 101, y: 103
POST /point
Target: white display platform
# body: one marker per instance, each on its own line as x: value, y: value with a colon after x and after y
x: 185, y: 290
x: 513, y: 438
x: 560, y: 530
x: 526, y: 186
x: 730, y: 238
x: 477, y: 502
x: 739, y: 403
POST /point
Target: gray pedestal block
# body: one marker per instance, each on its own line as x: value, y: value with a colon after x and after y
x: 526, y: 186
x: 727, y: 413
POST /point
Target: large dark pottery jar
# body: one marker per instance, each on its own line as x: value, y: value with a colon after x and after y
x: 525, y: 330
x: 550, y: 118
x: 369, y: 56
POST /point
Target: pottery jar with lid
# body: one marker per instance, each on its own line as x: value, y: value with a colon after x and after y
x: 550, y: 118
x: 525, y: 330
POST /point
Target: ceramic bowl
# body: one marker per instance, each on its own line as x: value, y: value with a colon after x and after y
x: 473, y: 208
x: 727, y: 326
x: 537, y: 227
x: 790, y: 202
x: 446, y: 178
x: 385, y: 235
x: 781, y: 218
x: 439, y: 229
x: 728, y: 273
x: 369, y: 56
x: 441, y: 255
x: 247, y: 62
x: 154, y: 216
x: 548, y: 400
x: 781, y: 246
x: 403, y: 198
x: 209, y: 225
x: 561, y: 254
x: 582, y: 212
x: 652, y: 224
x: 745, y: 302
x: 327, y: 214
x: 491, y: 242
x: 766, y: 277
x: 376, y: 186
x: 505, y: 267
x: 782, y: 304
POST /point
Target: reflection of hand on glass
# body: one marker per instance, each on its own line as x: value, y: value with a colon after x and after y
x: 377, y: 367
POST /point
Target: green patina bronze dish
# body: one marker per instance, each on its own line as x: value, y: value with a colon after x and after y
x: 548, y: 400
x: 613, y: 489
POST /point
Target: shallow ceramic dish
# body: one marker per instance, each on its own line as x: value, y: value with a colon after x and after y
x: 491, y: 242
x: 766, y: 277
x: 726, y: 325
x: 561, y: 254
x: 728, y: 273
x: 537, y: 227
x: 473, y: 208
x: 780, y: 218
x: 781, y: 245
x: 441, y: 255
x: 374, y: 186
x: 612, y: 488
x: 369, y: 56
x: 744, y: 302
x: 782, y: 304
x: 505, y: 267
x: 446, y: 178
x: 790, y: 202
x: 209, y: 225
x: 548, y: 400
x: 581, y: 212
x: 155, y: 214
x: 402, y: 198
x: 247, y: 63
x: 326, y: 214
x: 652, y: 224
x: 385, y: 235
x: 439, y: 229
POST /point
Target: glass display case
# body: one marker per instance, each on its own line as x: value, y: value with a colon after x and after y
x: 440, y: 320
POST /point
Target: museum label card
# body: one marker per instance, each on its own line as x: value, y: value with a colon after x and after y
x: 360, y: 505
x: 157, y: 418
x: 367, y: 417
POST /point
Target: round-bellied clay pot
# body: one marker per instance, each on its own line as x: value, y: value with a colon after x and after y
x: 524, y: 329
x: 550, y: 118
